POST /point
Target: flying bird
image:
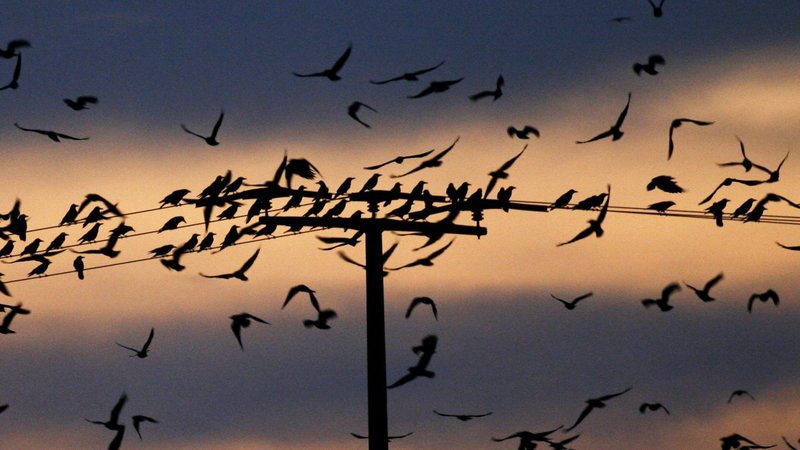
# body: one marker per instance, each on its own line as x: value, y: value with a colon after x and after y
x: 663, y: 302
x: 212, y: 139
x: 294, y: 290
x: 239, y: 273
x: 323, y: 316
x: 434, y: 161
x: 740, y: 393
x: 424, y: 301
x: 735, y: 441
x: 665, y: 183
x: 652, y: 407
x: 570, y: 305
x: 332, y: 73
x: 593, y: 403
x: 142, y: 352
x: 13, y: 311
x: 650, y: 66
x: 524, y: 133
x: 595, y: 225
x: 138, y: 419
x: 661, y: 207
x: 80, y: 102
x: 352, y: 111
x: 615, y: 131
x: 657, y: 10
x: 242, y: 320
x: 528, y: 439
x: 463, y: 417
x: 14, y: 83
x: 397, y: 160
x: 677, y: 123
x: 11, y: 48
x: 745, y: 162
x: 425, y: 351
x: 703, y: 294
x: 769, y: 295
x: 113, y: 420
x: 427, y: 260
x: 408, y: 76
x: 495, y: 94
x: 388, y: 438
x: 302, y: 168
x: 53, y: 135
x: 501, y: 172
x: 436, y: 87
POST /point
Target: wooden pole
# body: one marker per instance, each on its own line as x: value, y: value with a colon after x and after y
x: 376, y: 343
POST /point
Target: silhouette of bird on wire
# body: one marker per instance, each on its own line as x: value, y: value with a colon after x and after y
x: 436, y: 87
x: 53, y: 135
x: 398, y: 160
x: 211, y: 139
x: 524, y: 133
x: 677, y: 123
x: 652, y: 407
x: 14, y: 83
x: 463, y: 417
x: 717, y: 210
x: 501, y: 172
x: 434, y: 161
x: 242, y: 320
x: 408, y: 76
x: 742, y: 209
x: 174, y: 198
x: 422, y: 301
x: 563, y: 200
x: 595, y: 225
x: 425, y: 351
x: 570, y: 305
x: 81, y: 102
x: 615, y: 132
x: 353, y: 109
x: 141, y: 352
x: 11, y: 48
x: 703, y: 294
x: 172, y: 224
x: 663, y: 302
x: 661, y: 207
x: 764, y: 297
x: 650, y: 66
x: 240, y: 272
x: 332, y: 73
x: 594, y: 403
x: 495, y: 94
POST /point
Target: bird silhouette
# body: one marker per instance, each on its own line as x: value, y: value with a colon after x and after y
x: 332, y: 73
x: 463, y: 417
x: 436, y: 87
x: 7, y: 249
x: 41, y: 268
x: 665, y: 183
x: 735, y: 441
x: 501, y: 172
x: 570, y: 305
x: 424, y: 301
x: 677, y: 123
x: 300, y: 167
x: 163, y: 250
x: 524, y: 133
x: 3, y: 408
x: 425, y: 351
x: 14, y: 83
x: 650, y: 66
x: 504, y: 197
x: 397, y: 160
x: 242, y: 320
x: 595, y: 225
x: 703, y: 294
x: 321, y: 322
x: 57, y: 242
x: 352, y: 111
x: 742, y: 209
x: 81, y: 102
x: 593, y: 403
x: 109, y: 207
x: 337, y: 242
x: 745, y: 162
x: 717, y: 210
x: 70, y: 216
x: 212, y: 139
x: 528, y: 439
x: 174, y: 198
x: 12, y: 312
x: 172, y: 224
x: 657, y: 10
x: 113, y: 420
x: 434, y: 161
x: 78, y: 264
x: 620, y: 19
x: 53, y: 135
x: 740, y: 393
x: 427, y: 260
x: 788, y: 444
x: 774, y: 175
x: 138, y: 419
x: 663, y: 302
x: 408, y: 76
x: 652, y: 407
x: 344, y: 187
x: 4, y: 290
x: 768, y: 295
x: 388, y: 438
x: 32, y: 247
x: 615, y: 132
x: 661, y: 207
x: 11, y: 48
x: 495, y: 94
x: 239, y: 273
x: 142, y: 352
x: 294, y: 290
x: 563, y: 200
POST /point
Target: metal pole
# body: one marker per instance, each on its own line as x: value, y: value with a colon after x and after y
x: 376, y: 343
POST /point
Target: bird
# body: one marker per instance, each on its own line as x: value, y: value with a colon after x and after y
x: 142, y: 352
x: 332, y: 73
x: 352, y: 111
x: 436, y: 87
x: 562, y: 200
x: 427, y: 260
x: 79, y: 266
x: 397, y: 160
x: 735, y: 441
x: 788, y: 444
x: 3, y: 407
x: 14, y: 83
x: 657, y: 10
x: 524, y: 133
x: 650, y: 66
x: 620, y: 19
x: 174, y: 198
x: 661, y: 207
x: 677, y: 123
x: 425, y: 301
x: 70, y: 216
x: 41, y: 268
x: 408, y: 76
x: 323, y: 316
x: 463, y: 417
x: 716, y: 210
x: 745, y: 162
x: 504, y: 197
x: 11, y: 48
x: 13, y: 311
x: 703, y: 293
x: 570, y: 305
x: 615, y: 132
x: 242, y: 320
x: 172, y: 224
x: 433, y: 161
x: 340, y: 241
x: 32, y: 247
x: 652, y: 407
x: 495, y: 94
x: 595, y: 225
x: 4, y: 290
x: 138, y: 419
x: 345, y: 186
x: 528, y: 439
x: 109, y: 207
x: 388, y: 438
x: 57, y: 242
x: 206, y: 242
x: 740, y: 393
x: 239, y: 273
x: 501, y: 172
x: 53, y: 135
x: 7, y: 249
x: 113, y: 420
x: 211, y: 139
x: 300, y: 167
x: 768, y: 295
x: 162, y: 250
x: 663, y: 301
x: 425, y: 351
x: 593, y: 403
x: 742, y: 209
x: 80, y: 102
x: 665, y: 183
x: 294, y: 290
x: 774, y: 175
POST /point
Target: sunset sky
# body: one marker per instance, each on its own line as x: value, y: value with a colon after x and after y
x: 505, y: 345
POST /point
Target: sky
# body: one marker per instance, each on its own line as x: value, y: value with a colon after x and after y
x: 504, y: 345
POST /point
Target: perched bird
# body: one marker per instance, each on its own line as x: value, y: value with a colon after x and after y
x: 138, y: 419
x: 206, y: 242
x: 563, y: 200
x: 53, y: 135
x: 769, y: 295
x: 427, y: 260
x: 524, y: 133
x: 435, y: 87
x: 434, y: 161
x: 740, y: 393
x: 397, y: 160
x: 595, y: 225
x: 425, y: 301
x: 657, y: 10
x: 408, y: 76
x: 323, y: 316
x: 661, y: 207
x: 57, y: 242
x: 345, y: 186
x: 650, y: 66
x: 501, y: 172
x: 504, y: 197
x: 332, y: 73
x: 336, y: 209
x: 570, y: 305
x: 743, y: 208
x: 615, y: 132
x: 212, y: 139
x: 11, y: 48
x: 7, y: 249
x: 716, y: 210
x: 495, y: 94
x: 80, y: 102
x: 70, y: 216
x: 41, y: 268
x: 172, y: 224
x: 294, y: 290
x: 591, y: 202
x: 142, y: 352
x: 163, y: 250
x: 13, y: 311
x: 242, y: 320
x: 174, y: 198
x: 652, y: 407
x: 79, y: 266
x: 663, y: 302
x: 352, y: 111
x: 463, y: 417
x: 703, y: 294
x: 14, y: 83
x: 239, y: 273
x: 677, y: 123
x: 425, y: 352
x: 593, y: 403
x: 32, y: 247
x: 666, y: 183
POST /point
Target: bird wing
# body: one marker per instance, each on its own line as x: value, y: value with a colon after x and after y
x: 129, y: 348
x: 624, y: 113
x: 427, y: 91
x: 403, y: 380
x: 149, y: 339
x: 257, y: 319
x: 247, y: 264
x: 582, y: 416
x: 577, y: 299
x: 713, y: 281
x: 420, y: 72
x: 217, y: 125
x: 480, y: 95
x: 602, y: 135
x: 583, y: 234
x: 669, y: 290
x: 604, y: 210
x: 114, y: 418
x: 237, y: 332
x: 191, y: 132
x: 350, y: 260
x: 388, y: 80
x: 671, y: 143
x: 337, y: 66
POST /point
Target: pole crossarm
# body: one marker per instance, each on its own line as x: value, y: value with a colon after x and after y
x: 379, y: 224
